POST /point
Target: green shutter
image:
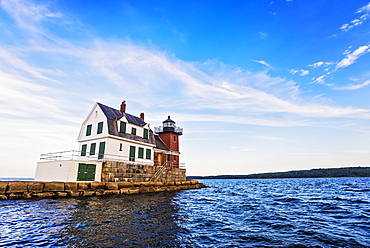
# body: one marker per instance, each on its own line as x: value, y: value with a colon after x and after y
x: 92, y: 148
x: 141, y: 152
x: 122, y: 127
x: 100, y: 127
x: 101, y: 150
x: 146, y: 134
x: 148, y: 154
x: 88, y: 130
x: 133, y: 130
x: 132, y: 153
x: 83, y: 150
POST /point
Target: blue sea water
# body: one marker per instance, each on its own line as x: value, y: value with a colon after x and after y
x: 332, y: 212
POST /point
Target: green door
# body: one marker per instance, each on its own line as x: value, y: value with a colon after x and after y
x: 101, y: 150
x: 86, y: 172
x: 132, y: 153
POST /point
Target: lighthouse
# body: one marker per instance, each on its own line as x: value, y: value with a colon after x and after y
x: 169, y: 133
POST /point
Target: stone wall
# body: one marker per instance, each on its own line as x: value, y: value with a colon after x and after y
x: 13, y: 190
x: 113, y: 171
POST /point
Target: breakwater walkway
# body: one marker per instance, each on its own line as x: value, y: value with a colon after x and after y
x: 14, y: 190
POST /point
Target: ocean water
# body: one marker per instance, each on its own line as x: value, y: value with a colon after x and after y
x: 331, y: 212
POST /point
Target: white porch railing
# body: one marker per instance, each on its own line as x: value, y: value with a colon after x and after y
x: 76, y: 155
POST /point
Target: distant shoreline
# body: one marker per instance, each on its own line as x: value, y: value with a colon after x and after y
x: 16, y: 179
x: 314, y: 173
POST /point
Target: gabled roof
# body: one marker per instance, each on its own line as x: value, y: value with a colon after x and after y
x: 115, y: 114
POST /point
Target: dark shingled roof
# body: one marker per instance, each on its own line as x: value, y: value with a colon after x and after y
x: 159, y: 144
x: 114, y: 114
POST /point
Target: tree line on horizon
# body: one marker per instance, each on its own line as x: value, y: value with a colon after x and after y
x: 314, y: 173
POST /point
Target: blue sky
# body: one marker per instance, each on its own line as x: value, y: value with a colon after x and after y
x: 258, y: 86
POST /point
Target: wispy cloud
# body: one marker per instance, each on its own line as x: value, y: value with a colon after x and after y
x: 262, y: 35
x: 153, y: 78
x: 28, y: 15
x: 353, y: 86
x: 273, y: 138
x: 262, y: 62
x: 352, y: 57
x: 364, y: 15
x: 301, y: 72
x: 320, y: 79
x: 320, y: 63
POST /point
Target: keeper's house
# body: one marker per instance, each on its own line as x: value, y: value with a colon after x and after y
x: 117, y: 146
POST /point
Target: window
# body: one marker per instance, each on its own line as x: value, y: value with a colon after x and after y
x: 175, y: 158
x: 100, y: 127
x: 174, y: 138
x: 148, y: 154
x: 120, y: 147
x: 101, y: 150
x: 167, y: 157
x: 132, y: 153
x: 92, y: 148
x: 83, y: 150
x: 141, y: 152
x: 146, y: 134
x: 122, y: 127
x: 133, y: 130
x: 88, y: 130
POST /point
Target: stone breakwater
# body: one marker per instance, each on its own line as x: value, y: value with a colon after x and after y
x: 14, y: 190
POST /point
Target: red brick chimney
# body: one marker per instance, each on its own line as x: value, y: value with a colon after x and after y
x: 142, y: 116
x: 123, y: 107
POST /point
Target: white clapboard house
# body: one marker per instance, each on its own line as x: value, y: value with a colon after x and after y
x: 109, y: 134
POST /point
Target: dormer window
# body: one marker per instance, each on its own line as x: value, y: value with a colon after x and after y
x: 133, y: 131
x: 146, y: 134
x: 122, y: 127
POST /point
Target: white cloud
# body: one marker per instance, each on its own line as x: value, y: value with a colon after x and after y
x: 262, y: 35
x: 358, y: 21
x: 353, y: 86
x: 159, y: 78
x: 29, y: 15
x: 301, y: 72
x: 320, y: 80
x: 262, y: 62
x: 320, y: 63
x: 304, y: 72
x: 352, y: 57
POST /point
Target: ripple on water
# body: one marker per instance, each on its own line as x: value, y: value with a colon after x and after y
x: 230, y: 213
